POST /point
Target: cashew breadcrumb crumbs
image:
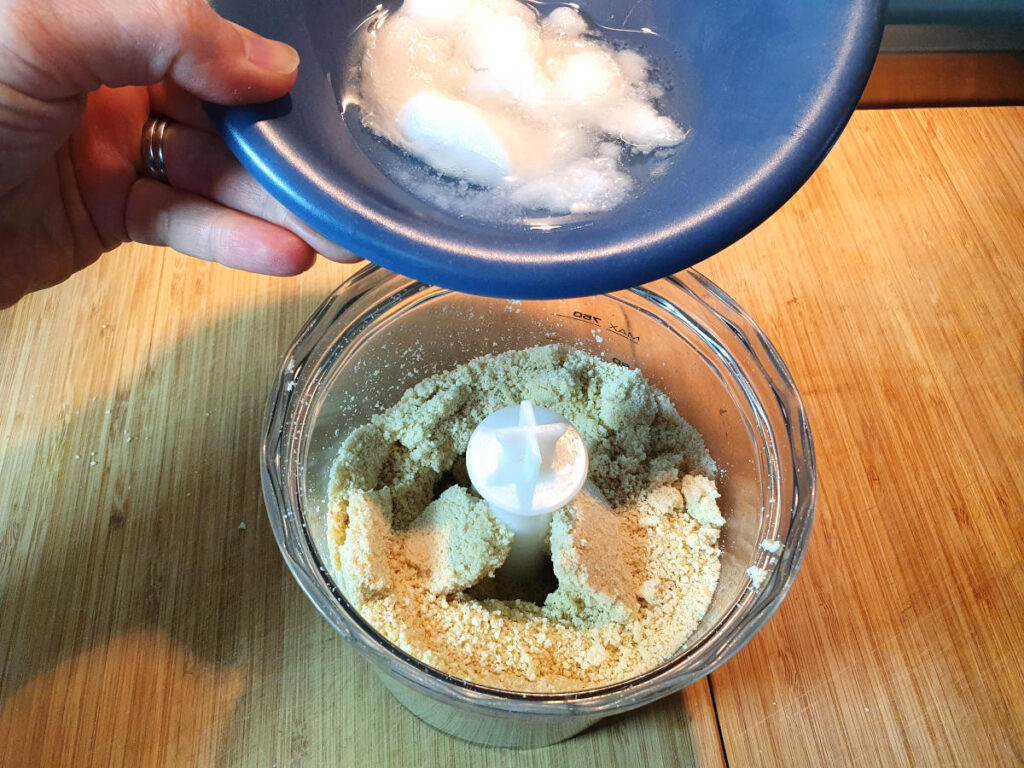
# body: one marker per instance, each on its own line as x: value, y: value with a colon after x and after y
x: 635, y: 555
x: 758, y: 576
x: 458, y: 540
x: 772, y: 546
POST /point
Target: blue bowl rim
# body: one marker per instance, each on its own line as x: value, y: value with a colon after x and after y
x: 494, y: 269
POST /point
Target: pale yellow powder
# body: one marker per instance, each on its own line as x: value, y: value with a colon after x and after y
x: 701, y: 500
x: 363, y: 555
x: 593, y: 561
x: 635, y: 555
x: 457, y: 541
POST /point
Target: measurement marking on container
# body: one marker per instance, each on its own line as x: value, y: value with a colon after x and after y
x: 583, y: 317
x: 594, y: 320
x: 623, y: 333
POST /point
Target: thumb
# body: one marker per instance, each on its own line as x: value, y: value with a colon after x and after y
x: 73, y: 47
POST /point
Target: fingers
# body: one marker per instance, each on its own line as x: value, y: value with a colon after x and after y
x: 171, y: 100
x: 105, y: 151
x: 157, y: 214
x: 69, y: 48
x: 198, y: 162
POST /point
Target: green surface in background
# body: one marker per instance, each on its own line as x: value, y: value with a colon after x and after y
x: 959, y: 12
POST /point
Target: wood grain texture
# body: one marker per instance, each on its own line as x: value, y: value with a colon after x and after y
x: 140, y: 625
x: 893, y: 286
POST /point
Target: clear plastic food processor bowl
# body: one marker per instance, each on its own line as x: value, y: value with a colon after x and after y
x: 380, y: 333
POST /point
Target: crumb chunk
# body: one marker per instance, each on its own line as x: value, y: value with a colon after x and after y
x: 458, y: 541
x: 701, y: 500
x: 758, y: 576
x: 365, y: 551
x: 594, y: 581
x: 663, y: 500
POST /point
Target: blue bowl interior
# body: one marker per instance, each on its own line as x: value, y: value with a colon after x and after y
x: 764, y: 90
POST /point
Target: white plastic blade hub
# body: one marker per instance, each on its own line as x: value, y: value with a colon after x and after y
x: 526, y: 462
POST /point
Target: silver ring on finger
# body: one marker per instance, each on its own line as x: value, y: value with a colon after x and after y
x: 153, y: 147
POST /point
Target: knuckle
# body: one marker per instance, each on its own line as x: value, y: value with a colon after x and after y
x: 187, y: 26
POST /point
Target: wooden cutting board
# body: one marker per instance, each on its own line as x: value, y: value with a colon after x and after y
x: 146, y: 618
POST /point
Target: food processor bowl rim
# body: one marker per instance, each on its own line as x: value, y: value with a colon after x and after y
x: 289, y: 404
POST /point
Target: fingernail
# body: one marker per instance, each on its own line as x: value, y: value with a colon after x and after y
x: 279, y: 58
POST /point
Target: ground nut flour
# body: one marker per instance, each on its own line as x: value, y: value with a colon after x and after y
x: 634, y: 558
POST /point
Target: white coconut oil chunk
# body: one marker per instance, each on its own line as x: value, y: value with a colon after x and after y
x: 490, y: 92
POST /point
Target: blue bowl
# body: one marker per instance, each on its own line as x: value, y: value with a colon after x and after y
x: 764, y: 89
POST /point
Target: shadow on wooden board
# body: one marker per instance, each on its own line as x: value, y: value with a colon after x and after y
x: 151, y: 586
x: 146, y: 616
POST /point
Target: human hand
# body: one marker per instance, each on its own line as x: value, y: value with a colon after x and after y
x: 78, y: 80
